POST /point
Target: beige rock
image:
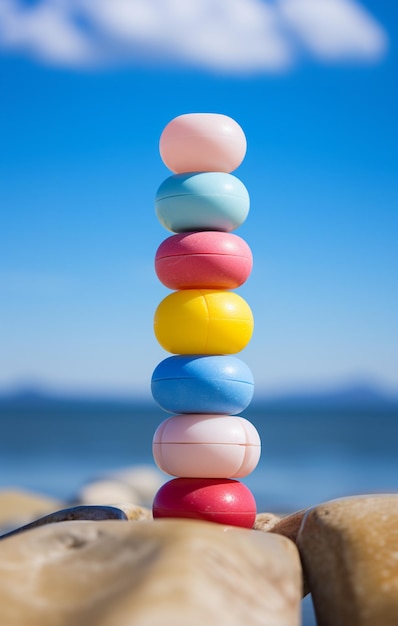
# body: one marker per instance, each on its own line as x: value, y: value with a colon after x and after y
x: 106, y: 491
x: 266, y: 521
x: 137, y: 484
x: 18, y: 507
x: 135, y: 513
x: 349, y: 549
x: 162, y: 573
x: 288, y: 526
x: 146, y: 480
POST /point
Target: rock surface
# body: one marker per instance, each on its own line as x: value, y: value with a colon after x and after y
x: 288, y: 526
x: 18, y: 507
x: 134, y: 512
x: 266, y: 521
x: 349, y: 549
x: 168, y: 572
x: 137, y: 484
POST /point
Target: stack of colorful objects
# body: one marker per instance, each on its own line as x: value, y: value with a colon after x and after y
x: 205, y: 444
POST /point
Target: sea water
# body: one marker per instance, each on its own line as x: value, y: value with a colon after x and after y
x: 308, y: 456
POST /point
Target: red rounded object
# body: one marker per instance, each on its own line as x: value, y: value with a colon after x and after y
x: 212, y: 499
x: 203, y: 259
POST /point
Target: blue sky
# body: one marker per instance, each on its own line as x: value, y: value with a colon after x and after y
x: 86, y: 89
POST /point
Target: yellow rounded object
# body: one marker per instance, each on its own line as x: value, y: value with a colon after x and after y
x: 203, y: 321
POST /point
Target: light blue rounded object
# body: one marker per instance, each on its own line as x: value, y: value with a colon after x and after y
x: 202, y: 201
x: 219, y: 384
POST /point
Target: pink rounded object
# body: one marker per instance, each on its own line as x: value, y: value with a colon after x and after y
x: 205, y: 259
x: 202, y: 142
x: 206, y: 446
x: 212, y: 499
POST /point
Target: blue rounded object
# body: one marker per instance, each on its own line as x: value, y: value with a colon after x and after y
x: 220, y: 384
x: 202, y: 201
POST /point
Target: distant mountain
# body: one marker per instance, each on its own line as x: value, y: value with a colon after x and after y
x: 361, y: 395
x: 29, y: 395
x: 356, y: 395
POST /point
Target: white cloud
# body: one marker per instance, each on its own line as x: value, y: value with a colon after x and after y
x: 45, y: 31
x: 238, y: 36
x: 335, y: 29
x: 219, y: 34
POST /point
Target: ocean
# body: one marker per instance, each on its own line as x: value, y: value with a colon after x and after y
x: 309, y: 455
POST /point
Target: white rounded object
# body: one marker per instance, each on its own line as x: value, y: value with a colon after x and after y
x: 206, y: 446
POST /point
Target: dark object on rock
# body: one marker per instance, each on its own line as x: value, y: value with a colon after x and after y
x: 92, y: 513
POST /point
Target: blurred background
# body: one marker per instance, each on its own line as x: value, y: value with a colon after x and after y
x: 86, y: 89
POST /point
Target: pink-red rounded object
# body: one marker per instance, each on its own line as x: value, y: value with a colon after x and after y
x: 212, y: 499
x: 206, y: 446
x: 205, y: 259
x: 202, y: 142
